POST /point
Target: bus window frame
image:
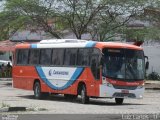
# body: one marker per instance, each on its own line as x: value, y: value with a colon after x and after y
x: 91, y: 53
x: 30, y: 54
x: 17, y: 54
x: 41, y: 56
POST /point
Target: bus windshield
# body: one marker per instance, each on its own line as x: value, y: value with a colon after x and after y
x: 125, y: 64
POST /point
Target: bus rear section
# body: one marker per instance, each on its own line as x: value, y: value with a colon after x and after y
x: 89, y: 69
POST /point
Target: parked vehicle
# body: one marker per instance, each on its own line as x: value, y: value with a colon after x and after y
x: 5, y: 62
x: 80, y: 67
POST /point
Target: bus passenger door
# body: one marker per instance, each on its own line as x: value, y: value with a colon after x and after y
x: 95, y: 69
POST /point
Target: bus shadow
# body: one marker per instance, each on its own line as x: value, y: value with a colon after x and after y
x: 61, y: 98
x: 109, y: 103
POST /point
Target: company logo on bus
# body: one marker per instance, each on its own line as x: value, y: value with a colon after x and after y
x: 55, y: 72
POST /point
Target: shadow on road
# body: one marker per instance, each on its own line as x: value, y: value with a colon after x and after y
x: 61, y: 98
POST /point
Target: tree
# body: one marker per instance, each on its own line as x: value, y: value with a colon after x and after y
x: 113, y: 21
x: 103, y: 19
x: 10, y: 22
x: 79, y: 14
x: 36, y: 12
x: 151, y: 15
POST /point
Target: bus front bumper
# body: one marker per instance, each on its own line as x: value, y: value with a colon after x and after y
x: 111, y: 92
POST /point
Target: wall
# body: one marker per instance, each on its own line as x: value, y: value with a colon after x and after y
x: 153, y: 52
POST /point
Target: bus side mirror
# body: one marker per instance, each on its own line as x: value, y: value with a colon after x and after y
x: 147, y: 63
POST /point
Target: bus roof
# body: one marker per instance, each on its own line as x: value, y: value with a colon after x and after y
x: 75, y: 43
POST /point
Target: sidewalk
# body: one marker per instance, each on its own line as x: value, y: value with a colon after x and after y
x: 151, y: 84
x: 5, y: 79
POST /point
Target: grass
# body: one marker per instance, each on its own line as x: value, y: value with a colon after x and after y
x: 4, y: 105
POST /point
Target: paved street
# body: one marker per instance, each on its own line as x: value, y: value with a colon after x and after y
x: 56, y: 104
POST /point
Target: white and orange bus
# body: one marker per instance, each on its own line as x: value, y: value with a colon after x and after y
x: 79, y: 67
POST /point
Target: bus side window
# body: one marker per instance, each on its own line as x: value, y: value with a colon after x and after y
x: 45, y: 57
x: 83, y: 57
x: 34, y: 56
x: 95, y: 63
x: 70, y: 56
x: 57, y: 56
x: 22, y: 56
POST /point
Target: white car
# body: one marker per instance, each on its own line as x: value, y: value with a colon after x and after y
x: 5, y: 62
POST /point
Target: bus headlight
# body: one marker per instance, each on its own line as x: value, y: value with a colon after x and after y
x: 105, y: 82
x: 141, y: 86
x: 109, y: 84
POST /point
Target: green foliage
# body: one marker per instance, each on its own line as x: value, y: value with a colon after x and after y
x: 153, y: 33
x: 151, y: 15
x: 4, y: 105
x: 20, y: 14
x: 112, y: 20
x: 136, y: 34
x: 153, y: 76
x: 10, y: 22
x: 103, y: 19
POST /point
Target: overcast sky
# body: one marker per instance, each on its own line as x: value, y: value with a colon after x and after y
x: 1, y: 5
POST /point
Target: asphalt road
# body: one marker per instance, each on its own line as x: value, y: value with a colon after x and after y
x: 60, y: 117
x: 79, y: 117
x: 100, y: 109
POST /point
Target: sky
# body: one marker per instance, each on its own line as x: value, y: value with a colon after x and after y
x: 1, y: 5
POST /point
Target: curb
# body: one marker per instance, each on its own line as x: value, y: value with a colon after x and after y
x: 5, y: 79
x: 152, y: 88
x: 4, y: 109
x: 12, y: 109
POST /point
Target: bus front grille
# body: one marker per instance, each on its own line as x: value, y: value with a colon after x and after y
x: 125, y: 87
x: 122, y: 95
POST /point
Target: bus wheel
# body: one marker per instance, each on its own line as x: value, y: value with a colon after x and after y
x: 37, y: 91
x: 119, y: 101
x: 84, y: 97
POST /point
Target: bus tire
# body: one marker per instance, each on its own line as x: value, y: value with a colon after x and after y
x: 84, y: 97
x: 119, y: 101
x: 37, y: 91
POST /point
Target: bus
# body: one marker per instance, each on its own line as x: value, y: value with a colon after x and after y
x: 75, y: 67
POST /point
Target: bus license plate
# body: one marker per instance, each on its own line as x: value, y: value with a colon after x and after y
x: 125, y: 91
